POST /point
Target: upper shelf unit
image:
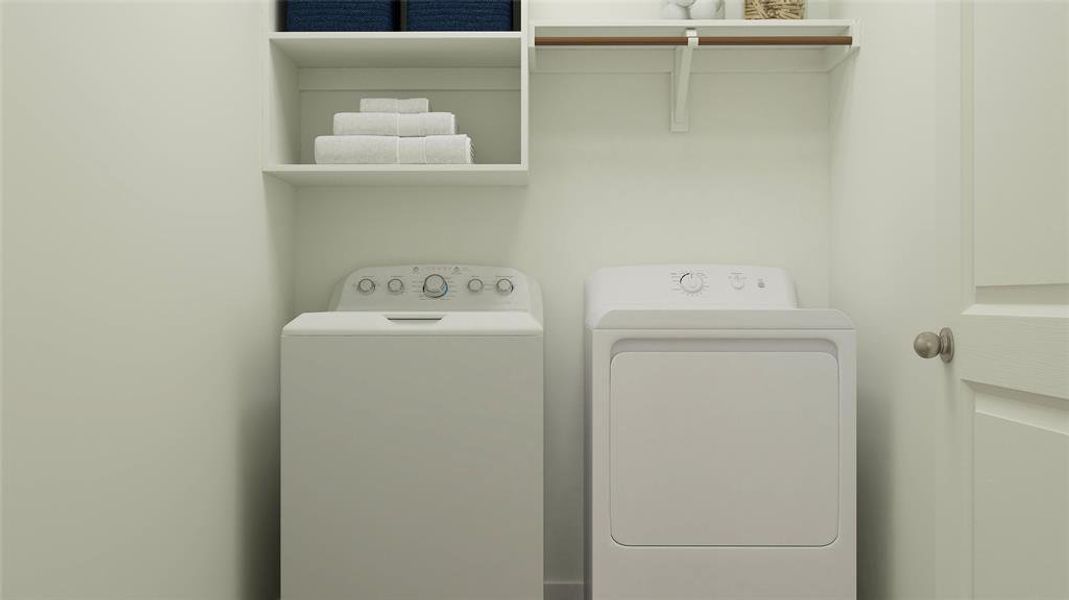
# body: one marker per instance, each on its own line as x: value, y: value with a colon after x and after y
x: 482, y: 77
x: 408, y: 49
x: 721, y: 46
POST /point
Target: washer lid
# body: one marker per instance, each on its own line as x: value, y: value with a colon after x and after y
x: 413, y: 323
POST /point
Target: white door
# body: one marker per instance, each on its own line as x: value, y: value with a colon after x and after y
x: 1003, y: 494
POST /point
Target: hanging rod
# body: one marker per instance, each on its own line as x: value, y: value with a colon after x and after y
x: 797, y: 40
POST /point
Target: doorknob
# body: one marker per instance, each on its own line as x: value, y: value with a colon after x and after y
x: 930, y: 345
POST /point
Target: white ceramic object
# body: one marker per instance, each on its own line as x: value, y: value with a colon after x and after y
x: 707, y: 9
x: 676, y: 9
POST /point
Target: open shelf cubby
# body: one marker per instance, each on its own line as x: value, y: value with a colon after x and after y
x: 481, y: 77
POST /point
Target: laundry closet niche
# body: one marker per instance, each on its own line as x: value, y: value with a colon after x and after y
x: 609, y: 183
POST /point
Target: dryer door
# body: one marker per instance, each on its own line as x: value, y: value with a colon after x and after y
x: 718, y: 448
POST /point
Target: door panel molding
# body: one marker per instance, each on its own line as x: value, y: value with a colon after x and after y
x: 1053, y: 294
x: 1033, y: 410
x: 1024, y: 353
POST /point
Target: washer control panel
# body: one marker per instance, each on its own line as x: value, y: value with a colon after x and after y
x: 434, y: 287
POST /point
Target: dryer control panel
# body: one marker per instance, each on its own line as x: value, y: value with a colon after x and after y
x: 431, y: 287
x: 692, y: 286
x: 734, y: 285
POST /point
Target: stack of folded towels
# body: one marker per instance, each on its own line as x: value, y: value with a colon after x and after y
x: 394, y: 131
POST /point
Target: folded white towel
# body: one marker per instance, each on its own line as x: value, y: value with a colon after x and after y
x: 436, y: 150
x: 395, y: 105
x: 384, y: 149
x: 404, y: 125
x: 359, y: 149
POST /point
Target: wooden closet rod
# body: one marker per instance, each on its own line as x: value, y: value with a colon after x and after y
x: 798, y: 40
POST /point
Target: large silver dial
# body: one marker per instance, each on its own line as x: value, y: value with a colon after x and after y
x: 691, y: 283
x: 435, y: 286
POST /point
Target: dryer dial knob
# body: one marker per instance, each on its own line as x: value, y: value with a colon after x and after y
x: 691, y: 283
x: 365, y: 286
x: 395, y: 285
x: 435, y: 286
x: 504, y: 287
x: 475, y: 285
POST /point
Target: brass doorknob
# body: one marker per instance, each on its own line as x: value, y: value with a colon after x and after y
x: 930, y: 345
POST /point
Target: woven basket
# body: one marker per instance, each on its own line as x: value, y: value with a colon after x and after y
x: 775, y: 9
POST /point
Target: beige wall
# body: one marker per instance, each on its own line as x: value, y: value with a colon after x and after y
x: 610, y: 185
x: 146, y: 272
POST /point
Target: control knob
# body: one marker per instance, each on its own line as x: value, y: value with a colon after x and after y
x: 395, y: 285
x: 504, y: 287
x: 365, y: 286
x: 435, y: 286
x: 475, y: 285
x: 691, y: 283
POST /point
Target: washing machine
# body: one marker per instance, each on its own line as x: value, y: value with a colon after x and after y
x: 720, y: 437
x: 411, y: 438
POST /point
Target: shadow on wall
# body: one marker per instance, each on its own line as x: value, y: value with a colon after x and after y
x: 258, y: 423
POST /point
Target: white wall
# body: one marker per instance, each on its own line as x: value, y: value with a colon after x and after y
x: 609, y: 185
x: 146, y: 272
x: 616, y: 10
x: 894, y: 232
x: 2, y: 2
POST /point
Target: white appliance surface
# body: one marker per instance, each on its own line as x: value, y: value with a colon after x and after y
x: 721, y: 433
x: 724, y: 448
x: 412, y: 439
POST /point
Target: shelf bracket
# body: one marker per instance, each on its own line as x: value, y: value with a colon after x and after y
x: 836, y: 55
x: 680, y: 118
x: 532, y: 54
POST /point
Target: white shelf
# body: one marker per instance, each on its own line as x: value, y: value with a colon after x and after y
x: 770, y: 58
x: 718, y: 27
x: 682, y: 48
x: 400, y: 175
x: 426, y: 49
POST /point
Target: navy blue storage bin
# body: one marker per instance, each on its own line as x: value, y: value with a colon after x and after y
x: 459, y: 15
x: 341, y: 15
